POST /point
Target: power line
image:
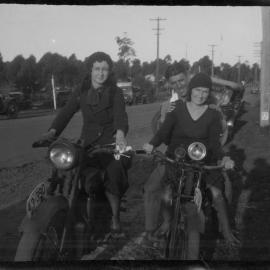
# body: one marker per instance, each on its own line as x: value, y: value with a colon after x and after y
x: 158, y: 29
x: 213, y: 51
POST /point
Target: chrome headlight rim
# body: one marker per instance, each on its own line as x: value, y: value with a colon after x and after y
x: 230, y: 123
x: 67, y: 148
x: 192, y: 147
x: 180, y: 152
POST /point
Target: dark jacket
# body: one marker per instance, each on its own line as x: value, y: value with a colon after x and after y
x: 102, y: 113
x: 180, y: 129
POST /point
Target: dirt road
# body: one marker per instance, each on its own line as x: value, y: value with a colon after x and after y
x: 250, y: 148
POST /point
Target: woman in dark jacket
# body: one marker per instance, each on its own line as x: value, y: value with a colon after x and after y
x: 104, y: 121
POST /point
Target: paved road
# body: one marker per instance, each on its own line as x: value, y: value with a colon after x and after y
x: 17, y: 135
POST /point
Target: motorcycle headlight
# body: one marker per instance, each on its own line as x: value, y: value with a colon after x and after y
x: 197, y: 151
x: 63, y: 155
x: 179, y: 152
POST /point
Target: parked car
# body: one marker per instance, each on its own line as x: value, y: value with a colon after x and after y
x: 227, y: 95
x: 127, y: 91
x: 254, y: 91
x: 23, y: 102
x: 139, y: 97
x: 62, y: 97
x: 8, y: 106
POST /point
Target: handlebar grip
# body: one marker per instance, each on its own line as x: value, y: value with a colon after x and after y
x: 215, y: 167
x: 140, y: 152
x: 43, y: 143
x: 39, y: 144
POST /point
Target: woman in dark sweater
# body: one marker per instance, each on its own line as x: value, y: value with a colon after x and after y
x: 104, y: 121
x: 191, y: 121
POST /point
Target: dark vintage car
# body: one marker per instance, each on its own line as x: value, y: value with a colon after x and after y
x: 8, y: 106
x: 227, y: 95
x: 62, y: 97
x: 127, y: 92
x: 133, y: 95
x: 23, y: 102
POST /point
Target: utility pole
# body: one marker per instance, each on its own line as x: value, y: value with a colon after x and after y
x: 239, y: 68
x: 213, y: 51
x: 158, y: 29
x: 54, y: 93
x: 257, y: 54
x: 265, y: 68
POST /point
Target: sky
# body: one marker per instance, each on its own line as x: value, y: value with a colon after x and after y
x: 186, y: 32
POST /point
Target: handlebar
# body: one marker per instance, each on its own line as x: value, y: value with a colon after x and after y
x: 163, y: 157
x: 109, y: 149
x: 43, y: 143
x: 106, y: 148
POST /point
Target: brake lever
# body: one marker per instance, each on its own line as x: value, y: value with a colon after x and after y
x: 118, y: 153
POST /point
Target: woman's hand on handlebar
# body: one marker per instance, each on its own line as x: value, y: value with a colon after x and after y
x: 120, y: 140
x: 227, y: 163
x: 148, y: 148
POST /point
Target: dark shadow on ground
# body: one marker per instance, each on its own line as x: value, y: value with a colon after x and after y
x: 256, y: 232
x: 237, y: 175
x: 10, y: 218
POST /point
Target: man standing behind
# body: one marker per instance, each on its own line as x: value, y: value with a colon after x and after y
x: 177, y: 78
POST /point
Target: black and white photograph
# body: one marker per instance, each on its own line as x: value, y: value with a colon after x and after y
x: 135, y: 133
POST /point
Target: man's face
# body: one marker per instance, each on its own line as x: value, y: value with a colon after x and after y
x: 178, y: 83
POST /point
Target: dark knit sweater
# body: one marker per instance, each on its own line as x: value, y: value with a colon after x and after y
x: 180, y: 129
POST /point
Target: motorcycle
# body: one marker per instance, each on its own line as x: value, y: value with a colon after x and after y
x: 61, y: 217
x: 192, y: 205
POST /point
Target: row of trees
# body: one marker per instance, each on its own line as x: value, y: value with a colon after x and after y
x: 29, y: 75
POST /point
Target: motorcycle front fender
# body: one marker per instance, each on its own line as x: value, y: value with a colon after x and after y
x: 47, y: 209
x: 195, y: 219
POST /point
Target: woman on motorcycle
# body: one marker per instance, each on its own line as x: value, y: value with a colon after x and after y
x: 191, y: 121
x: 105, y: 121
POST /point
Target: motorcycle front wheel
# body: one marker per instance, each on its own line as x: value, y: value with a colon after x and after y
x: 35, y: 246
x: 176, y: 245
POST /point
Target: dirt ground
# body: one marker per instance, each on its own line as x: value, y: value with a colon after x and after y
x: 250, y: 148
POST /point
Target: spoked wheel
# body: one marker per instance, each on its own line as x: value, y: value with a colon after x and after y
x: 176, y: 246
x: 34, y: 246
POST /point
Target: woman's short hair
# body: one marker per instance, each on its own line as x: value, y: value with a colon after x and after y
x: 199, y: 80
x: 175, y: 69
x: 98, y: 57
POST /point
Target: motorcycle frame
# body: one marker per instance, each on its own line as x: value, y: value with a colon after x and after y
x: 177, y: 204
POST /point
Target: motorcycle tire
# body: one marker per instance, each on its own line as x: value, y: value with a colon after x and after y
x: 176, y: 245
x: 210, y: 236
x: 35, y: 246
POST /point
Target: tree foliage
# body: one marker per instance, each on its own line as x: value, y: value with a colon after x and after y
x: 125, y: 50
x: 30, y: 75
